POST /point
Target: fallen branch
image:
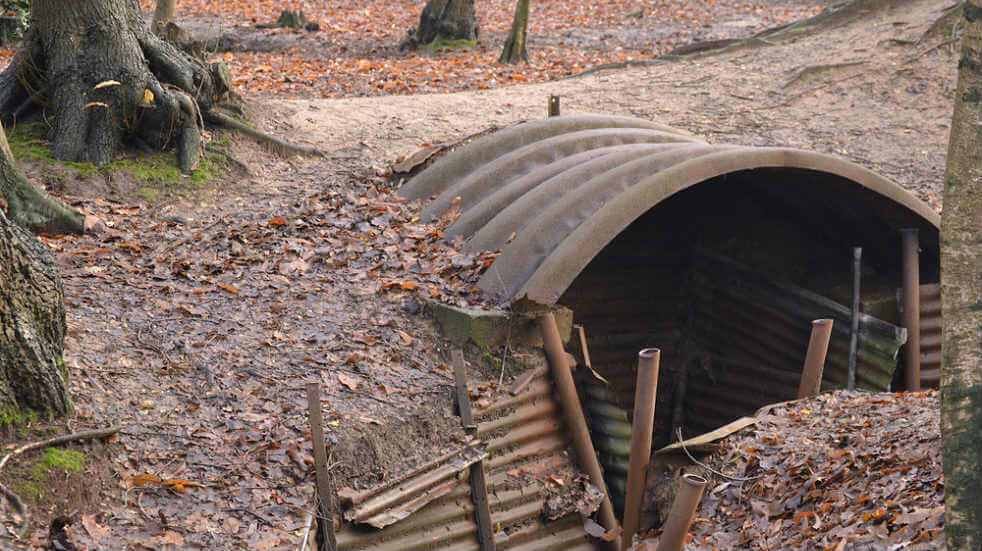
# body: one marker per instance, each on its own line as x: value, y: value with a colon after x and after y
x: 226, y: 121
x: 74, y: 437
x: 710, y: 469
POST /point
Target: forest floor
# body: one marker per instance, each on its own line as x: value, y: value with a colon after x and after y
x: 195, y: 321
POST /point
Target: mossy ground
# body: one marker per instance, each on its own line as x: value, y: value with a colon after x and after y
x: 440, y: 44
x: 148, y: 177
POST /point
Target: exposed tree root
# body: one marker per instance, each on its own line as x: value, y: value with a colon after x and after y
x: 221, y: 119
x: 837, y: 15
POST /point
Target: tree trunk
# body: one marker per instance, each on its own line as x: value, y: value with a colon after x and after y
x: 163, y: 15
x: 447, y: 20
x: 961, y: 293
x: 102, y: 74
x: 32, y: 328
x: 29, y: 206
x: 514, y: 50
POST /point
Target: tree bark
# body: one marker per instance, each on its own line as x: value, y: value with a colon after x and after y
x: 105, y: 77
x: 447, y: 20
x: 32, y: 328
x: 961, y: 292
x: 514, y: 50
x: 162, y: 15
x: 29, y: 206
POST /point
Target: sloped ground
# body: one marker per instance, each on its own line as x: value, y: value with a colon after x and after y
x: 197, y: 324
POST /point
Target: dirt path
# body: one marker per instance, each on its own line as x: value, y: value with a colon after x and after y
x: 887, y: 106
x: 197, y: 325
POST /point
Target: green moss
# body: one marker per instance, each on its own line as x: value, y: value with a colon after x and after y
x: 152, y: 173
x: 70, y: 461
x: 13, y: 415
x: 440, y: 43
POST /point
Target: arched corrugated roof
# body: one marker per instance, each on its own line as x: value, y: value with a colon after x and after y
x: 553, y: 193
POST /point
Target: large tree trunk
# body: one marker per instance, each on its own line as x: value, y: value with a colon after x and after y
x: 961, y: 294
x: 447, y: 20
x: 29, y: 206
x: 102, y: 74
x: 163, y: 15
x: 514, y: 50
x: 32, y: 327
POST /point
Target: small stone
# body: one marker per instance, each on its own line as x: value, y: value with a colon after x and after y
x: 148, y: 404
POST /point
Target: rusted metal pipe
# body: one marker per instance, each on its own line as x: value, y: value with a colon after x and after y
x: 324, y: 496
x: 818, y: 347
x: 553, y: 106
x: 912, y: 308
x: 642, y: 428
x: 683, y: 510
x: 569, y: 401
x: 857, y: 256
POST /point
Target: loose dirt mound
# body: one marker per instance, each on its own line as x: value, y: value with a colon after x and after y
x: 844, y: 470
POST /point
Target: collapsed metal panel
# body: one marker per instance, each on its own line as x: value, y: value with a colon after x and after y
x: 522, y: 435
x: 931, y: 335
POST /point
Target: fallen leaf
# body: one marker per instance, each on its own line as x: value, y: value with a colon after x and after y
x: 348, y: 381
x: 93, y: 528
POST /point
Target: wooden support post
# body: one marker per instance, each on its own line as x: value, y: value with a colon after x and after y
x: 325, y: 493
x: 818, y: 347
x: 478, y: 480
x: 553, y: 106
x: 912, y: 308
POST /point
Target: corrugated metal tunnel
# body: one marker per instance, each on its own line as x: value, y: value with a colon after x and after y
x: 719, y: 255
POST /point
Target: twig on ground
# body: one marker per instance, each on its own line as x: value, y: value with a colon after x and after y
x: 710, y: 469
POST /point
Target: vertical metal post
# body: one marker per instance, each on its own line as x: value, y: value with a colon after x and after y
x: 553, y: 106
x: 325, y: 493
x: 569, y: 402
x: 642, y: 429
x: 818, y: 347
x: 857, y: 256
x: 683, y: 510
x: 912, y: 308
x: 478, y: 481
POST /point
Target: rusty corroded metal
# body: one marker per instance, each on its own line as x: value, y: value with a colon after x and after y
x: 642, y: 429
x: 818, y: 347
x: 569, y: 401
x: 325, y: 491
x: 911, y: 306
x: 930, y: 326
x: 683, y: 510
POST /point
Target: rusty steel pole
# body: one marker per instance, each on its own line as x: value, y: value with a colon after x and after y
x: 569, y: 402
x: 912, y: 308
x: 683, y: 510
x: 642, y: 429
x: 818, y: 347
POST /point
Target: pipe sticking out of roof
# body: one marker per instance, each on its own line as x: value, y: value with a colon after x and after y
x: 569, y: 401
x: 642, y: 429
x: 818, y: 347
x: 683, y: 510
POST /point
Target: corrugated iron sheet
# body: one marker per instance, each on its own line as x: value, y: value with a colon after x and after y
x: 750, y: 335
x: 405, y: 495
x: 931, y: 335
x: 517, y: 431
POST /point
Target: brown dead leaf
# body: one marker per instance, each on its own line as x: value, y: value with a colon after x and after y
x: 276, y: 222
x: 347, y: 381
x: 143, y: 479
x: 229, y: 288
x: 96, y: 531
x: 169, y: 537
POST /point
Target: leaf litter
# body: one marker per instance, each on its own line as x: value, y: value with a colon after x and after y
x: 844, y: 470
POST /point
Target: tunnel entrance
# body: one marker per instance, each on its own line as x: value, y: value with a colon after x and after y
x: 724, y: 278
